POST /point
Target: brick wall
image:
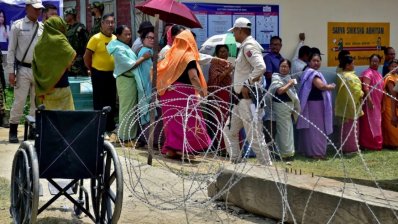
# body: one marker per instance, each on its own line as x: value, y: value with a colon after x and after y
x: 123, y: 12
x: 88, y: 16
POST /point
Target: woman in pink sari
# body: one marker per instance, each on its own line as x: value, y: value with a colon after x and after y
x: 370, y: 135
x: 180, y: 83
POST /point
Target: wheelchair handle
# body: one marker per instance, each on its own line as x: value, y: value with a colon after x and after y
x: 41, y: 107
x: 106, y: 109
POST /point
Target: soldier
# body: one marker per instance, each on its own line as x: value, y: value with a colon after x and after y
x: 78, y: 37
x: 249, y: 69
x: 97, y: 10
x: 23, y: 37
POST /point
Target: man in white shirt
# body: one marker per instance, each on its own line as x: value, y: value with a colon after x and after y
x: 300, y: 59
x: 137, y: 45
x: 24, y: 34
x: 249, y: 69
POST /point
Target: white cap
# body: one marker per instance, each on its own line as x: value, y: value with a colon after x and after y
x: 35, y: 3
x: 241, y: 22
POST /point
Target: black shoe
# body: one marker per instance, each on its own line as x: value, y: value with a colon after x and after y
x: 13, y: 134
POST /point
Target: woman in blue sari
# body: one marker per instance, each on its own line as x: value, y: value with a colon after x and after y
x: 125, y: 72
x: 144, y: 84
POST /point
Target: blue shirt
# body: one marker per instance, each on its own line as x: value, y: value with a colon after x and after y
x: 272, y: 61
x: 385, y: 68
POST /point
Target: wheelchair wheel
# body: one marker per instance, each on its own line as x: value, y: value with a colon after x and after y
x: 107, y: 190
x: 24, y: 185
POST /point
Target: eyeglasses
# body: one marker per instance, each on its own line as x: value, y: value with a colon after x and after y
x: 150, y: 37
x: 109, y: 22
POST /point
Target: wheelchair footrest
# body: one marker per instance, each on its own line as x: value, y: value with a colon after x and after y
x: 62, y: 184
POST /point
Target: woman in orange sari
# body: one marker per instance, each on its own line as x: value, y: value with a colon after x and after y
x: 389, y: 114
x: 180, y: 82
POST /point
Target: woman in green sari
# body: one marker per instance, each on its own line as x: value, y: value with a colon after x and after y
x: 348, y: 104
x: 284, y: 103
x: 52, y: 56
x: 126, y: 75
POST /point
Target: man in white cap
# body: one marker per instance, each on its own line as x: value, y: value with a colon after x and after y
x: 249, y: 69
x: 23, y: 36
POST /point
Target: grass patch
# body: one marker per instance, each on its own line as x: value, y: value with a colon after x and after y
x: 4, y: 201
x: 9, y: 91
x: 369, y: 168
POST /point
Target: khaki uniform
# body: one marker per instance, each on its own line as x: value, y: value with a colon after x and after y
x: 249, y: 67
x: 20, y: 36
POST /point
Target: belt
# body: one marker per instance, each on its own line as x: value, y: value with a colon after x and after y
x: 23, y: 64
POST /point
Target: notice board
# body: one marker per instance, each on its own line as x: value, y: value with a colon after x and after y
x: 218, y: 18
x: 361, y: 39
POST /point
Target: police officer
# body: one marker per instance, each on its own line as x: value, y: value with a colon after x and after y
x: 78, y: 37
x: 23, y: 37
x: 249, y: 69
x: 97, y: 10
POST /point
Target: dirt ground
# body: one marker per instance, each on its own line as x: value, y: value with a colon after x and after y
x: 164, y: 193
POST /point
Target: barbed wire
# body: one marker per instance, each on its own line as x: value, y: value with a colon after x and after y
x: 191, y: 176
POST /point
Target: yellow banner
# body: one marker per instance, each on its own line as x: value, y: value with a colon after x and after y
x: 361, y: 39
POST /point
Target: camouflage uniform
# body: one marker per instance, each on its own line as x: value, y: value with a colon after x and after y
x: 97, y: 21
x: 97, y: 27
x: 78, y: 37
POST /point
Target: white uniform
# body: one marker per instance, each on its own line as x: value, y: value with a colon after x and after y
x: 249, y: 67
x: 20, y: 36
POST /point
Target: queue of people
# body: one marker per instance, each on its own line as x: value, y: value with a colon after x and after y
x: 297, y: 105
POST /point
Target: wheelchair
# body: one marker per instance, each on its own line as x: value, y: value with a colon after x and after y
x: 68, y: 145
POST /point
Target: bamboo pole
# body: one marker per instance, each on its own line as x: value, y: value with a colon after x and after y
x: 154, y: 92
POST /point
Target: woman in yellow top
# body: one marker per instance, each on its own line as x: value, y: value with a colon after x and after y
x: 348, y: 104
x: 389, y: 111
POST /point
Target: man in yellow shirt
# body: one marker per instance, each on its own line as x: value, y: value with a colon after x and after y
x: 100, y: 67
